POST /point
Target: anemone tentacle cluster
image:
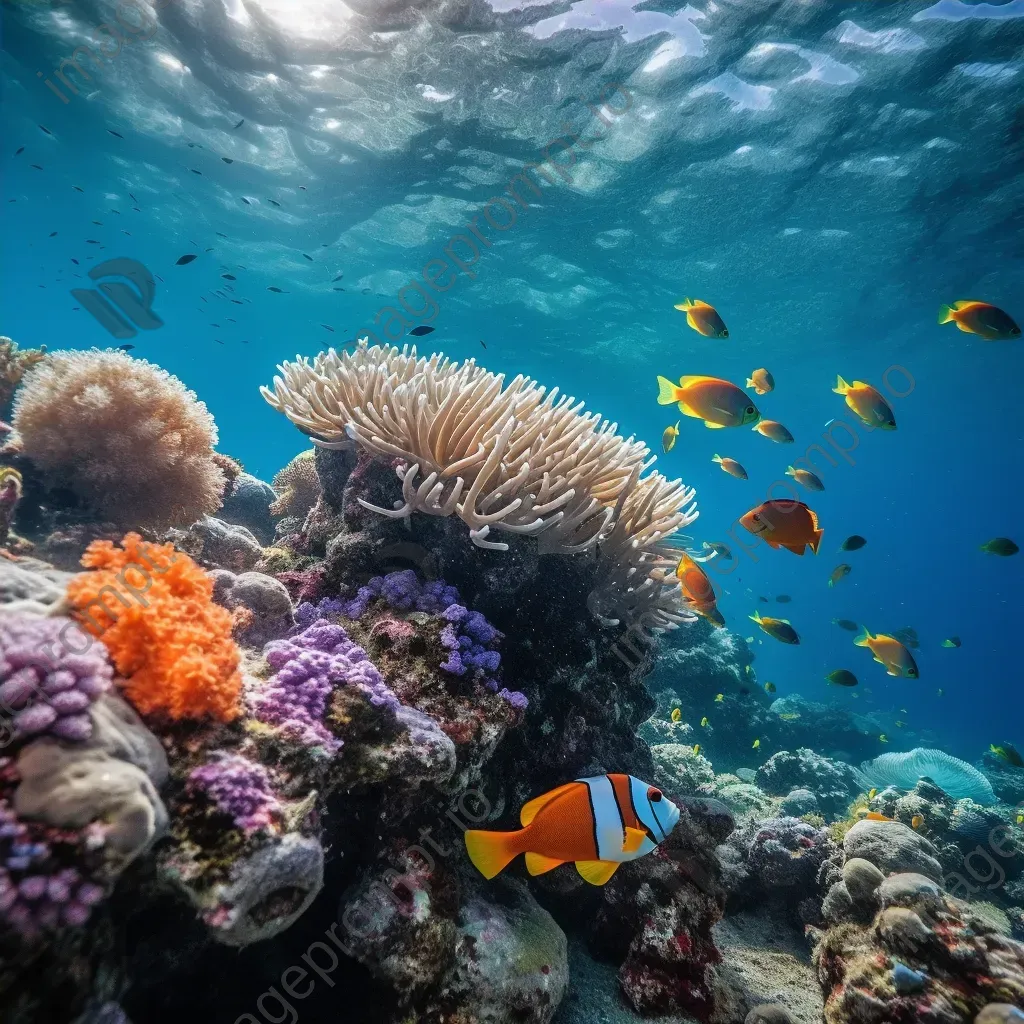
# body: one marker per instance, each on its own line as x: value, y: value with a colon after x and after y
x: 512, y: 457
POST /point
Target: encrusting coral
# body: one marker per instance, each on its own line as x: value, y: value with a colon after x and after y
x: 513, y: 457
x: 123, y: 435
x: 153, y: 609
x: 14, y: 364
x: 297, y: 486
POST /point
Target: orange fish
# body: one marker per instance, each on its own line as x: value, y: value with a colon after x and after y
x: 697, y: 590
x: 761, y: 381
x: 774, y: 431
x: 875, y: 816
x: 731, y: 466
x: 888, y: 651
x: 785, y: 524
x: 717, y: 402
x: 988, y: 322
x: 704, y: 319
x: 871, y: 408
x: 597, y: 823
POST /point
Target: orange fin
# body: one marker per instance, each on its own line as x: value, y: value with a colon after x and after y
x: 685, y: 382
x: 963, y: 327
x: 634, y: 840
x: 538, y: 864
x: 531, y: 807
x: 491, y: 852
x: 816, y: 542
x: 596, y: 872
x: 797, y: 549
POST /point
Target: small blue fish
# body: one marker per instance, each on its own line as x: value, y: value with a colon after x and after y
x: 906, y: 981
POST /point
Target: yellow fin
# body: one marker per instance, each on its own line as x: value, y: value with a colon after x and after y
x: 538, y: 864
x: 667, y: 391
x: 634, y: 840
x: 686, y: 382
x: 963, y: 327
x: 596, y: 872
x: 531, y: 807
x: 490, y: 852
x: 714, y: 426
x: 685, y: 305
x: 841, y: 387
x: 716, y: 458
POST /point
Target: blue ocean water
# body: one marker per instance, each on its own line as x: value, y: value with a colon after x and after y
x: 825, y: 174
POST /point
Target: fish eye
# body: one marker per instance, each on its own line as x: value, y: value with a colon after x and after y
x: 725, y: 333
x: 757, y: 517
x: 654, y: 795
x: 750, y: 409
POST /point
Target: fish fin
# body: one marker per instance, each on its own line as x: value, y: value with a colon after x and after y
x: 756, y: 617
x: 490, y: 852
x: 963, y: 327
x: 690, y: 380
x: 772, y: 543
x: 596, y: 872
x: 889, y: 670
x: 634, y: 840
x: 532, y: 807
x: 946, y: 313
x: 716, y: 458
x: 861, y: 640
x: 790, y: 471
x: 841, y: 388
x: 797, y: 549
x: 685, y: 305
x: 538, y: 864
x: 816, y: 542
x: 668, y: 393
x: 751, y: 384
x: 714, y: 426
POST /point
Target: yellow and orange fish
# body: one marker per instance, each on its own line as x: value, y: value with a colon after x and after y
x: 761, y: 381
x: 698, y: 593
x: 917, y: 821
x: 717, y: 402
x: 704, y: 319
x: 871, y: 408
x: 731, y: 466
x: 875, y: 816
x: 988, y: 322
x: 668, y: 439
x: 774, y: 431
x: 888, y: 651
x: 784, y: 524
x: 806, y: 478
x: 596, y: 823
x: 677, y: 715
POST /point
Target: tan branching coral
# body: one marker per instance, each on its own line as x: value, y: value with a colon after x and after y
x: 14, y: 364
x: 297, y: 486
x: 515, y: 458
x: 128, y: 438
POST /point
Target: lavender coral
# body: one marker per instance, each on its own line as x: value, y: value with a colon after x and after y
x: 124, y: 435
x: 46, y: 687
x: 239, y: 788
x: 309, y: 667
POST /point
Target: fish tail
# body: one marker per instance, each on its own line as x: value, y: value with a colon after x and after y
x: 815, y: 542
x: 862, y: 638
x: 491, y: 852
x: 716, y: 458
x: 841, y: 388
x: 685, y: 305
x: 751, y: 384
x: 790, y: 471
x: 945, y: 314
x: 668, y: 393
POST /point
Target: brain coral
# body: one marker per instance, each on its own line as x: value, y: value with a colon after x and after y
x: 957, y: 778
x: 124, y: 435
x: 297, y: 486
x: 509, y: 457
x: 153, y: 608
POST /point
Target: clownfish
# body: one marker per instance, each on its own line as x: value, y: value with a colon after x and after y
x: 597, y: 823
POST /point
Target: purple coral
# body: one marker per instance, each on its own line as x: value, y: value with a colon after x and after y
x: 309, y: 667
x: 37, y: 890
x: 239, y: 788
x: 47, y: 686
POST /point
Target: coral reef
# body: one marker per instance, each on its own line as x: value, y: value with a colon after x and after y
x: 956, y: 777
x: 124, y: 436
x: 248, y: 504
x: 216, y: 544
x: 297, y: 487
x: 263, y: 610
x: 14, y: 364
x: 679, y: 770
x: 832, y: 782
x: 168, y: 639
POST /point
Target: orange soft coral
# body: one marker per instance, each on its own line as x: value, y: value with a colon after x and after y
x: 153, y: 608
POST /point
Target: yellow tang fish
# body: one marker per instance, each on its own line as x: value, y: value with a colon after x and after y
x: 731, y: 466
x: 719, y: 697
x: 717, y: 402
x: 598, y: 823
x: 988, y: 322
x: 668, y: 439
x: 769, y: 688
x: 888, y: 651
x: 696, y: 749
x: 917, y: 821
x: 756, y: 744
x: 789, y: 716
x: 872, y: 793
x: 704, y: 722
x: 704, y: 319
x: 883, y: 738
x: 871, y: 408
x: 779, y: 629
x: 676, y: 715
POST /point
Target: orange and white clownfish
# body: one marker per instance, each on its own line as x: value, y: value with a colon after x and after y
x: 597, y: 823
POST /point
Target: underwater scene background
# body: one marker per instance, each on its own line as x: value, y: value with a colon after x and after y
x: 537, y: 187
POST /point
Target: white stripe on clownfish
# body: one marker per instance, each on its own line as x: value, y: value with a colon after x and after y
x: 609, y: 831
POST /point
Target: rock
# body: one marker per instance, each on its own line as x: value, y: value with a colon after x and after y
x: 861, y: 878
x: 892, y: 847
x: 119, y: 732
x: 679, y: 770
x: 270, y: 608
x: 786, y: 853
x: 511, y: 964
x: 832, y: 782
x: 904, y: 930
x: 248, y: 505
x: 905, y: 888
x: 29, y: 579
x: 1000, y: 1013
x: 768, y: 1013
x: 799, y: 802
x: 744, y: 799
x: 838, y: 905
x: 219, y: 545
